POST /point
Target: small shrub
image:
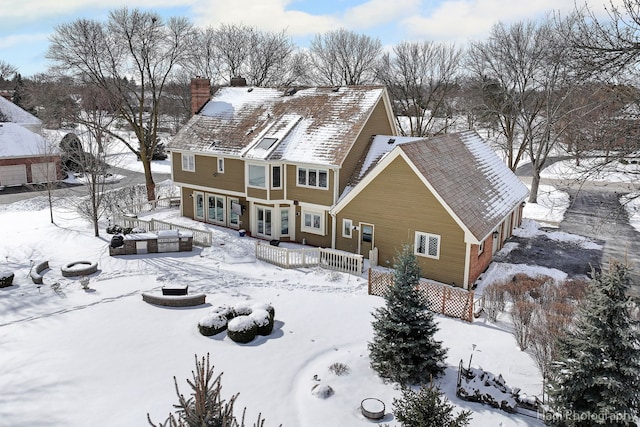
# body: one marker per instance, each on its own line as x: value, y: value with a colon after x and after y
x: 263, y: 321
x: 242, y: 329
x: 223, y: 310
x: 242, y: 309
x: 265, y: 306
x: 212, y: 324
x: 117, y: 229
x: 322, y: 391
x: 339, y: 369
x: 494, y: 301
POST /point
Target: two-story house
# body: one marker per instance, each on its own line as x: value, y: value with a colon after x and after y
x: 324, y: 166
x: 273, y: 162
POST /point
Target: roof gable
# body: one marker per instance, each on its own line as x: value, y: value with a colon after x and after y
x: 315, y: 125
x: 473, y: 184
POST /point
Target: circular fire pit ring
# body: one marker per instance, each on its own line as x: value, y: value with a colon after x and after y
x: 79, y: 268
x: 372, y: 408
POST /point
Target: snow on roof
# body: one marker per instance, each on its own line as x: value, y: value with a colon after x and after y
x: 16, y: 141
x: 314, y: 125
x: 470, y: 178
x: 15, y: 114
x: 380, y: 146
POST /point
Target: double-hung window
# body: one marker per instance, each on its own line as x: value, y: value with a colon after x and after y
x: 313, y: 222
x: 347, y: 228
x: 427, y: 245
x: 276, y: 176
x: 257, y: 177
x: 188, y: 162
x: 311, y: 177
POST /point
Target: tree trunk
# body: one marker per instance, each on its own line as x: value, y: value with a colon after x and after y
x: 535, y: 183
x: 148, y: 179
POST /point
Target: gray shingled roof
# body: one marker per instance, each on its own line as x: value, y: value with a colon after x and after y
x: 469, y: 177
x: 315, y: 125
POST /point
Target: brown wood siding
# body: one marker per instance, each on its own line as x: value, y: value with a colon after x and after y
x: 276, y: 195
x: 397, y: 217
x: 306, y: 194
x: 378, y: 124
x: 257, y: 193
x: 312, y: 239
x: 206, y: 174
x: 187, y: 202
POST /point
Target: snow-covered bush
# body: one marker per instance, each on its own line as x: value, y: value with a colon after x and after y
x: 242, y: 309
x: 242, y: 329
x: 263, y: 321
x: 212, y: 324
x: 322, y: 391
x: 265, y: 306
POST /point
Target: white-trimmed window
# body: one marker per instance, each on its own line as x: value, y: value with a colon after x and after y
x: 347, y: 228
x: 276, y: 176
x: 315, y: 178
x: 257, y: 177
x: 481, y: 248
x: 427, y: 245
x: 188, y: 162
x: 312, y: 222
x: 220, y: 165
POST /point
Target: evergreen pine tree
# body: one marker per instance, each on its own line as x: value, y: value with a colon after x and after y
x: 428, y: 407
x: 595, y: 379
x: 404, y: 349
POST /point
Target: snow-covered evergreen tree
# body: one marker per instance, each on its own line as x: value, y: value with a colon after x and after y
x: 428, y: 407
x: 404, y: 349
x: 595, y: 379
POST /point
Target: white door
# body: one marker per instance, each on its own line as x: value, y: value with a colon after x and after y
x: 43, y: 172
x: 198, y: 208
x: 264, y: 221
x: 215, y: 209
x: 13, y: 175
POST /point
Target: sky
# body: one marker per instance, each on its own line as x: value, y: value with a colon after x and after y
x: 25, y: 29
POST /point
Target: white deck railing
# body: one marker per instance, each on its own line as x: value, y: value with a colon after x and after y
x: 310, y: 257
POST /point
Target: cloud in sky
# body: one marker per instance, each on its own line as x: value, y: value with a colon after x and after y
x: 391, y: 21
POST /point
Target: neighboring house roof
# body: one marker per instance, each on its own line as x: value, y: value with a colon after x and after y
x: 17, y: 141
x: 15, y: 114
x: 315, y: 125
x: 463, y: 172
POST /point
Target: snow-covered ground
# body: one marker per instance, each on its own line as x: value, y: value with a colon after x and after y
x: 102, y: 356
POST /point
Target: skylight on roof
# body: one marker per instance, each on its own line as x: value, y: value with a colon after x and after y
x: 266, y: 143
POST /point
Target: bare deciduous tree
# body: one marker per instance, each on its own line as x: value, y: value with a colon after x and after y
x: 233, y: 50
x: 343, y: 57
x: 7, y: 70
x: 420, y: 77
x: 131, y: 57
x: 533, y: 84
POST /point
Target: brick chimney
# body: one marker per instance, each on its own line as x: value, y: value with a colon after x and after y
x: 200, y: 93
x: 238, y: 81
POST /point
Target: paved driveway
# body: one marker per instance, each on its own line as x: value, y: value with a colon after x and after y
x: 595, y: 212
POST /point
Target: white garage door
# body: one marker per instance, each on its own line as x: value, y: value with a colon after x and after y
x: 43, y: 172
x: 13, y: 175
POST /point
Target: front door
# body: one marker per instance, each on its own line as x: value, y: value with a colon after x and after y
x: 366, y: 239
